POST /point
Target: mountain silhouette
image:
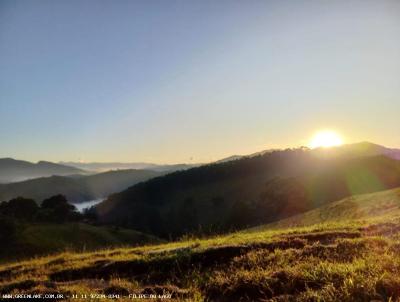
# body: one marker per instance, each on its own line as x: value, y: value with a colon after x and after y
x: 77, y: 188
x: 12, y: 170
x: 107, y: 166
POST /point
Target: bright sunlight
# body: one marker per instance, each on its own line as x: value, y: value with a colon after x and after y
x: 326, y: 139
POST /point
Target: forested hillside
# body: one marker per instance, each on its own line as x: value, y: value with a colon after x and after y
x: 245, y: 192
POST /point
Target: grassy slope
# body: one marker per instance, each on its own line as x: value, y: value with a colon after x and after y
x: 355, y: 207
x: 354, y: 259
x: 42, y: 239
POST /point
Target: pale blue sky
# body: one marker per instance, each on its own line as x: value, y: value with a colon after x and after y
x: 194, y: 81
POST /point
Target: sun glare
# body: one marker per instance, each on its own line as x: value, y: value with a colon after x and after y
x: 326, y: 139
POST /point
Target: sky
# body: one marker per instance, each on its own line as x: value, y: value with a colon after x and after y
x: 194, y: 81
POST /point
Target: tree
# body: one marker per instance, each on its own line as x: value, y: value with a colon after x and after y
x: 54, y: 201
x: 20, y: 208
x: 57, y: 209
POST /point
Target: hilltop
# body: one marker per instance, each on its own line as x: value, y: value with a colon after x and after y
x: 344, y: 260
x: 361, y: 149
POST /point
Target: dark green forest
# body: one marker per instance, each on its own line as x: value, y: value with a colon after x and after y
x: 242, y: 193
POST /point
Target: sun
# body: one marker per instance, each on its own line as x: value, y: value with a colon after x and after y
x: 326, y: 139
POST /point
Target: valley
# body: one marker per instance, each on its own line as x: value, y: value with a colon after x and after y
x: 76, y: 188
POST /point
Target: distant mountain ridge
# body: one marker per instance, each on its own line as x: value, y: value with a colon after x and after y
x: 76, y: 189
x: 102, y: 167
x: 12, y: 170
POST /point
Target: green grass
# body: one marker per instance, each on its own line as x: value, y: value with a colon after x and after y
x: 352, y: 256
x: 365, y: 206
x: 42, y: 239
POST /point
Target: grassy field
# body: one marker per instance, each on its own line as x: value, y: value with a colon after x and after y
x: 355, y: 257
x: 43, y: 239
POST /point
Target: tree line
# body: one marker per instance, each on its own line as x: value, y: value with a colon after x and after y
x: 20, y: 210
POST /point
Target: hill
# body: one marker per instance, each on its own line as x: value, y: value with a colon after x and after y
x: 44, y: 239
x: 12, y: 170
x: 350, y: 260
x: 77, y: 188
x: 246, y: 192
